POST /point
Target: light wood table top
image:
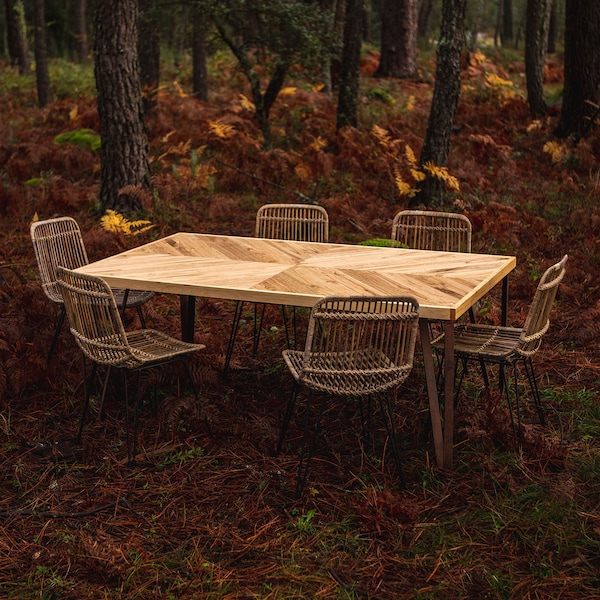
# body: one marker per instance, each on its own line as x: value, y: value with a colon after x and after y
x: 446, y: 284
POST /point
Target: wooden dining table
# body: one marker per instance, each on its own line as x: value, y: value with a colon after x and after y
x: 446, y: 285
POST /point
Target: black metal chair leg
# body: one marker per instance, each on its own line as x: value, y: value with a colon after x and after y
x: 59, y: 325
x: 503, y: 384
x: 388, y: 415
x: 518, y: 402
x: 239, y: 306
x: 88, y: 393
x: 534, y: 389
x: 141, y: 316
x: 257, y: 327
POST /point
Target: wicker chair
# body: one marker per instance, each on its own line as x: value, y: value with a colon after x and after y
x: 509, y: 346
x: 95, y: 322
x: 58, y: 242
x: 431, y: 230
x: 356, y: 347
x: 298, y: 222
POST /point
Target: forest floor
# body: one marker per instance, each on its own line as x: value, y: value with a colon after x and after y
x: 213, y: 515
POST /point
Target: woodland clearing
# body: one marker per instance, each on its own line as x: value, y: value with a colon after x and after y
x: 203, y: 516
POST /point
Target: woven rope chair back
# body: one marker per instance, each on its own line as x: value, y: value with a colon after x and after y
x: 94, y: 319
x: 297, y: 222
x: 357, y: 346
x: 431, y: 230
x: 57, y: 243
x: 538, y: 317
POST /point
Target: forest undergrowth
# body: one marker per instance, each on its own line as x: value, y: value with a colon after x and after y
x: 213, y: 515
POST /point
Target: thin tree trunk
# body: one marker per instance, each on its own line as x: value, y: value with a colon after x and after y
x: 446, y: 92
x: 347, y: 109
x: 149, y: 54
x: 199, y: 72
x: 41, y: 53
x: 536, y: 37
x: 81, y: 31
x: 17, y: 35
x: 399, y: 29
x: 582, y: 67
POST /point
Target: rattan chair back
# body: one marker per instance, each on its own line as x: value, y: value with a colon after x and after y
x: 358, y: 346
x: 298, y: 222
x: 432, y: 230
x: 95, y: 320
x: 538, y: 317
x: 57, y: 242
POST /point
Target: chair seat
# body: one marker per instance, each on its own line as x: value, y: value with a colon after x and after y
x: 134, y: 297
x: 359, y: 373
x: 486, y: 341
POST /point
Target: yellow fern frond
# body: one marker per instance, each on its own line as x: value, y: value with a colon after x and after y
x: 556, y: 151
x: 318, y: 144
x: 287, y: 91
x: 441, y: 173
x: 220, y: 129
x: 410, y: 103
x: 382, y: 135
x: 417, y: 174
x: 494, y: 80
x: 477, y: 58
x: 117, y: 223
x: 404, y: 189
x: 73, y: 113
x: 535, y: 125
x: 410, y: 156
x: 179, y: 89
x: 246, y: 104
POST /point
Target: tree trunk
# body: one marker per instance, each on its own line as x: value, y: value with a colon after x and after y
x: 81, y: 31
x: 582, y: 67
x: 199, y: 72
x: 425, y: 8
x: 474, y: 33
x: 17, y: 35
x: 507, y: 34
x: 446, y: 92
x: 41, y: 53
x: 124, y: 141
x: 399, y: 28
x: 149, y: 54
x: 552, y: 28
x: 347, y: 108
x: 536, y: 37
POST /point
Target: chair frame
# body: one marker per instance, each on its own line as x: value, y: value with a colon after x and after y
x: 297, y: 222
x: 509, y: 346
x: 58, y: 242
x: 432, y: 230
x: 95, y: 322
x: 355, y: 347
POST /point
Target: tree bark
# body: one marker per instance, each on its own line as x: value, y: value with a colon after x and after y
x: 582, y: 67
x: 124, y: 141
x: 18, y: 48
x: 41, y: 53
x: 446, y: 92
x: 399, y: 29
x: 149, y: 54
x: 81, y: 31
x: 199, y: 72
x: 507, y: 33
x: 425, y: 8
x: 536, y: 38
x: 347, y: 108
